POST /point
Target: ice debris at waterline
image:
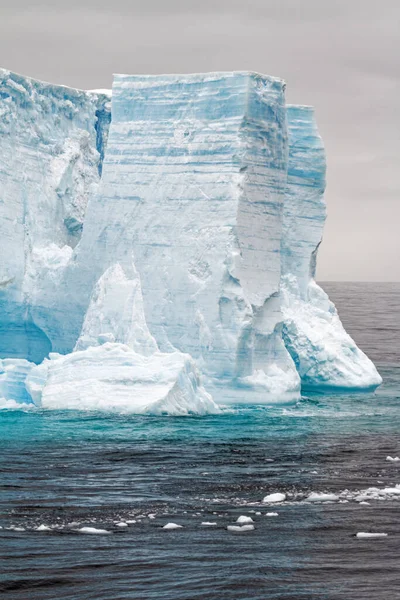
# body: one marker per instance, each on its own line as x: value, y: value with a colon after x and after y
x: 160, y: 245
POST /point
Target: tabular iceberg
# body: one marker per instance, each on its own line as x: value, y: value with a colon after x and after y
x: 175, y: 231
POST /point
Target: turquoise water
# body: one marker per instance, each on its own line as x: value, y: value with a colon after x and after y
x: 69, y: 470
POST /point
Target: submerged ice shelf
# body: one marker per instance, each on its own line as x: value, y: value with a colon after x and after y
x: 174, y: 231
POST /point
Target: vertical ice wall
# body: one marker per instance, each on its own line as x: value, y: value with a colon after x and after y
x: 193, y: 184
x: 49, y: 165
x: 325, y: 355
x: 304, y: 209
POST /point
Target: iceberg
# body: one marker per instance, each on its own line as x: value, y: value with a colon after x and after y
x: 161, y: 245
x: 326, y: 357
x: 51, y: 147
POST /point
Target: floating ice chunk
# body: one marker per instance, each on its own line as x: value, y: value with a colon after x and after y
x: 271, y: 514
x: 130, y: 521
x: 122, y: 524
x: 392, y: 490
x: 393, y: 459
x: 363, y: 503
x: 172, y: 526
x: 276, y: 497
x: 243, y: 519
x: 240, y: 528
x: 366, y: 535
x: 208, y: 523
x: 93, y: 530
x: 321, y: 497
x: 43, y: 528
x: 113, y: 377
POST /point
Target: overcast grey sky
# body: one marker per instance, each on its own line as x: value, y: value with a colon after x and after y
x: 342, y: 56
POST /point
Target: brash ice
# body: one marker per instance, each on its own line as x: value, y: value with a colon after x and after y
x: 160, y: 245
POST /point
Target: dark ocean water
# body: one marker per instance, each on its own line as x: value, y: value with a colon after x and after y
x: 71, y: 470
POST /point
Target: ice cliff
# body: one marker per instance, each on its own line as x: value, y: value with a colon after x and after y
x: 165, y: 243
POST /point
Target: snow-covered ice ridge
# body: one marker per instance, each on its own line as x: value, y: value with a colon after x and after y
x: 182, y: 236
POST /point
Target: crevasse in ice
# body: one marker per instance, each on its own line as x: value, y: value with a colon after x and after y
x: 179, y: 241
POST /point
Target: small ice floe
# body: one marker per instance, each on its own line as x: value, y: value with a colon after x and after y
x: 172, y: 526
x: 276, y: 497
x: 152, y: 515
x: 364, y: 503
x: 43, y: 528
x: 208, y: 523
x: 18, y: 528
x: 240, y: 528
x: 392, y: 490
x: 393, y: 458
x: 122, y: 524
x: 243, y: 520
x: 93, y: 530
x: 365, y: 535
x: 130, y: 521
x: 271, y: 514
x: 73, y: 524
x: 321, y: 497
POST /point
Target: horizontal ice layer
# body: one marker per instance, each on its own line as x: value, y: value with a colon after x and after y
x: 304, y: 209
x: 13, y: 373
x: 51, y: 143
x: 113, y: 377
x: 193, y: 185
x: 325, y: 355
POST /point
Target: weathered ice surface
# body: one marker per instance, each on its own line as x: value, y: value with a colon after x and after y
x: 165, y: 242
x: 193, y: 185
x: 325, y: 355
x: 51, y: 143
x: 113, y: 377
x: 116, y: 314
x: 13, y: 373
